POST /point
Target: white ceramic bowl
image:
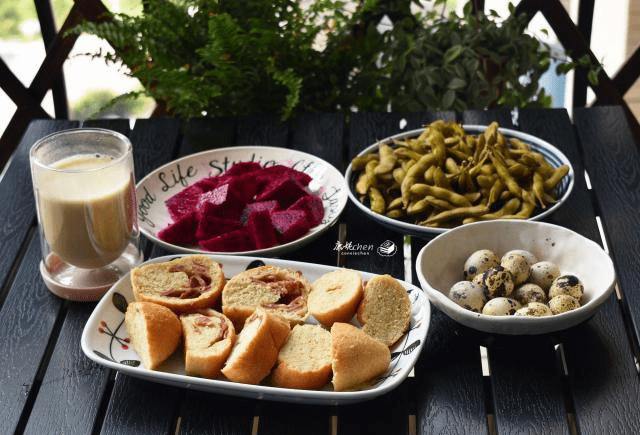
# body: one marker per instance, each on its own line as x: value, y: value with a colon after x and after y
x: 440, y: 264
x: 553, y: 155
x: 155, y: 188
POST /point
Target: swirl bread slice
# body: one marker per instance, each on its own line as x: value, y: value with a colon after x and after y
x: 357, y: 358
x: 184, y: 284
x: 305, y: 359
x: 385, y: 310
x: 209, y: 337
x: 335, y: 296
x: 256, y: 349
x: 155, y: 332
x: 278, y: 290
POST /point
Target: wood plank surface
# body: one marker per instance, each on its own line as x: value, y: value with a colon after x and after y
x: 583, y: 380
x: 29, y: 314
x: 605, y: 391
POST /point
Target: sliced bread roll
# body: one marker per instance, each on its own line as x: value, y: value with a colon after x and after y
x: 357, y: 358
x: 385, y: 310
x: 335, y: 296
x: 279, y: 291
x: 154, y: 330
x: 305, y: 359
x: 256, y: 349
x: 185, y: 284
x: 209, y: 337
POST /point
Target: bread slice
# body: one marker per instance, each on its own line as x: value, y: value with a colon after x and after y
x: 305, y: 359
x: 209, y: 337
x: 256, y: 349
x: 185, y: 284
x: 155, y: 332
x: 335, y: 296
x: 357, y: 358
x: 385, y: 310
x: 280, y: 291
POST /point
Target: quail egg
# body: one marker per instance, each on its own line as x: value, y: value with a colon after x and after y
x: 478, y: 262
x: 563, y: 303
x: 518, y: 266
x: 501, y: 306
x: 468, y: 295
x: 566, y: 285
x: 534, y: 309
x: 531, y: 259
x: 543, y: 273
x: 497, y: 281
x: 529, y: 292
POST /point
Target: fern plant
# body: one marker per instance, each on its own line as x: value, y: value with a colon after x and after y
x: 240, y: 57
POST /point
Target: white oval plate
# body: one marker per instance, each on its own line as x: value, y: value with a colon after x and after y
x: 169, y: 179
x: 104, y: 340
x: 440, y: 263
x: 553, y: 155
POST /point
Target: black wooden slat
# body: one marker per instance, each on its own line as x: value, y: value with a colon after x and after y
x: 28, y: 320
x: 527, y: 388
x: 449, y: 390
x: 515, y: 398
x: 320, y: 135
x: 203, y: 134
x: 286, y: 418
x: 362, y: 231
x: 613, y: 164
x: 265, y: 130
x: 485, y: 117
x: 384, y: 415
x: 72, y: 388
x: 116, y: 124
x: 140, y: 407
x: 17, y: 193
x: 29, y: 312
x: 203, y: 412
x: 605, y: 391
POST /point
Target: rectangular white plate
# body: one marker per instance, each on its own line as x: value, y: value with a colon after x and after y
x: 105, y: 341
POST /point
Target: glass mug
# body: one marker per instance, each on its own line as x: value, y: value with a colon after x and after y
x: 84, y: 187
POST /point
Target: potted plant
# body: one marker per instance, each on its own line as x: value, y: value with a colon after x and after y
x: 238, y: 57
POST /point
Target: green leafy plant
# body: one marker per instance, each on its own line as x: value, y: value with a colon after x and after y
x: 239, y: 57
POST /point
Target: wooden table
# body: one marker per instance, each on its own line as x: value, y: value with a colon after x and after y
x: 583, y: 380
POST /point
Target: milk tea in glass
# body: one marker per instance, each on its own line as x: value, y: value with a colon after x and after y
x: 84, y: 187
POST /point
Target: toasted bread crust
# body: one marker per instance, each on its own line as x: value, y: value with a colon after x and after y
x: 357, y: 358
x: 305, y: 360
x: 385, y: 310
x: 209, y: 337
x: 155, y: 332
x: 257, y: 347
x: 280, y: 291
x: 185, y: 284
x: 335, y: 296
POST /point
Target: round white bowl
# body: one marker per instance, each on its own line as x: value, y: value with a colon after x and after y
x: 553, y: 155
x: 440, y: 265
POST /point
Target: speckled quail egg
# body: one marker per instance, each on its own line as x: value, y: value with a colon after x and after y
x: 497, y: 281
x: 478, y: 262
x: 518, y: 266
x: 566, y: 285
x: 563, y: 303
x: 478, y: 280
x: 543, y: 273
x: 468, y: 295
x: 501, y: 306
x: 531, y: 258
x: 529, y: 292
x: 534, y: 309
